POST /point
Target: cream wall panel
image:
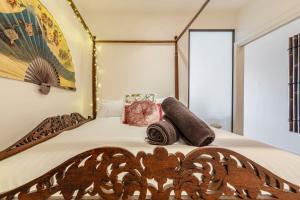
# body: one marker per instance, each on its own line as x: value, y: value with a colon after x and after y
x: 135, y: 68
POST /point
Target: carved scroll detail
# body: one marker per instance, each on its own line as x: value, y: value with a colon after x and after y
x: 49, y: 128
x: 114, y: 173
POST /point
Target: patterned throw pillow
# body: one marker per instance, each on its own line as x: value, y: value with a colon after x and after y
x: 130, y: 98
x: 141, y: 110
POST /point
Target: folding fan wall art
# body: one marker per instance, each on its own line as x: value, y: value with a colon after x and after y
x: 32, y: 46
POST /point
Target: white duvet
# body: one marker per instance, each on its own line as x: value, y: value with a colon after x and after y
x: 32, y: 163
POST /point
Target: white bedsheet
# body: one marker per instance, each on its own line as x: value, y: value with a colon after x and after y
x: 32, y: 163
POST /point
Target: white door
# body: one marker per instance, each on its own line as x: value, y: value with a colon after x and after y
x: 211, y: 76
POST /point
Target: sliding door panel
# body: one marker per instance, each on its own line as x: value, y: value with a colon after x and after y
x: 210, y: 76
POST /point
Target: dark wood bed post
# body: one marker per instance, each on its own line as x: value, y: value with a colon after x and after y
x: 291, y: 91
x: 94, y: 79
x: 136, y: 41
x: 177, y: 38
x: 176, y: 70
x: 94, y: 65
x: 192, y: 21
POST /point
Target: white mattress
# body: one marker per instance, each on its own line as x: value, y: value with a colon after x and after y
x: 32, y: 163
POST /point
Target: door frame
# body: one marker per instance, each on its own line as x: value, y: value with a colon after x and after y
x: 233, y: 59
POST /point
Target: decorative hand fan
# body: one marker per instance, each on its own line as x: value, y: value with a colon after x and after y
x: 32, y: 46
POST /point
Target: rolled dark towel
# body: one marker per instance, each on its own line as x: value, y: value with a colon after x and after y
x: 193, y: 129
x: 162, y: 133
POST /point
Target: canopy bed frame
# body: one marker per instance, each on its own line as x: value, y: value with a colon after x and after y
x: 174, y: 41
x: 95, y: 41
x: 115, y: 173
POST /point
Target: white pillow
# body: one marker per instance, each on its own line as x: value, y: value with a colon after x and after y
x: 111, y: 108
x: 160, y: 100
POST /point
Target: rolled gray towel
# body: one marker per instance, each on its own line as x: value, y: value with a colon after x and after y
x: 162, y: 133
x: 192, y: 129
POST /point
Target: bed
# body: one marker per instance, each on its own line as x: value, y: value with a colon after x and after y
x: 84, y: 162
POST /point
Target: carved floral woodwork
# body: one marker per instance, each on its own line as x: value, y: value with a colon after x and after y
x: 115, y: 173
x: 49, y: 128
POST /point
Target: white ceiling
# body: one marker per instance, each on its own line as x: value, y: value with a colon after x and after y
x: 109, y: 18
x: 228, y: 5
x: 156, y: 5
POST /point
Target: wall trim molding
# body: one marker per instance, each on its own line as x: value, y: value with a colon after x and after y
x: 281, y: 20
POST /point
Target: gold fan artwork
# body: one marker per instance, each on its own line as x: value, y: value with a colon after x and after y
x: 32, y: 46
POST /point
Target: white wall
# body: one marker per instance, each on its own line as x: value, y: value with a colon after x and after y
x: 23, y: 107
x: 266, y: 89
x: 135, y: 68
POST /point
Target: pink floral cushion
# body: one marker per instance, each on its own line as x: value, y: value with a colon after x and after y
x: 142, y: 113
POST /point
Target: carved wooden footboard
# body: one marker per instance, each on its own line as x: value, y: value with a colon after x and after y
x: 115, y: 173
x: 49, y: 128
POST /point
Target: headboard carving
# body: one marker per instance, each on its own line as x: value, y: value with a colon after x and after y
x: 115, y: 173
x: 49, y: 128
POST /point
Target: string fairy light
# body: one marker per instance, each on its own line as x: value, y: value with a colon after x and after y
x: 98, y: 77
x: 95, y: 68
x: 95, y: 79
x: 80, y: 18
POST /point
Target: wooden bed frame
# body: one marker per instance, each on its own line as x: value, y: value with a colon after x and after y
x: 114, y: 173
x: 49, y: 128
